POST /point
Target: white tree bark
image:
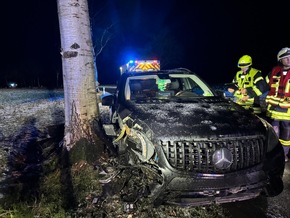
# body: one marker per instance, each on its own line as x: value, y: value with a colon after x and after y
x: 78, y: 70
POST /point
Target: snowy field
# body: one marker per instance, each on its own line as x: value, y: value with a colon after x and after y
x: 18, y: 106
x: 43, y: 108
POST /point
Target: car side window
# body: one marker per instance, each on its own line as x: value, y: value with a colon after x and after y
x: 136, y: 89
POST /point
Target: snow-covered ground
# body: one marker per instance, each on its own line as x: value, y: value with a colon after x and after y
x: 43, y: 108
x: 19, y: 106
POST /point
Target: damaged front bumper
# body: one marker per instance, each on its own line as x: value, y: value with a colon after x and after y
x: 196, y: 189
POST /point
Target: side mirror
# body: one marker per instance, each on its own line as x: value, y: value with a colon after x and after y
x: 108, y: 100
x: 220, y: 93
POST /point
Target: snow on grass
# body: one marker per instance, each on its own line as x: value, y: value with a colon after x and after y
x: 19, y: 105
x: 46, y: 107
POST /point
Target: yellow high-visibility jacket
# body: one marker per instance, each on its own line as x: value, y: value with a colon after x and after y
x: 254, y: 83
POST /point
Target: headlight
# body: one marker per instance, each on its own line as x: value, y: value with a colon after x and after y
x: 143, y: 144
x: 272, y: 138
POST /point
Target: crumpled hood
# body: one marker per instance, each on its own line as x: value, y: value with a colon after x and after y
x: 195, y: 120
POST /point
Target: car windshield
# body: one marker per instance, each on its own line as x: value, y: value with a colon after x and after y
x: 165, y: 86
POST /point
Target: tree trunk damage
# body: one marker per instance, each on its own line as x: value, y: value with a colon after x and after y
x: 81, y: 106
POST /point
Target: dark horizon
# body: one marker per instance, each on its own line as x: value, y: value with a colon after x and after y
x: 205, y: 38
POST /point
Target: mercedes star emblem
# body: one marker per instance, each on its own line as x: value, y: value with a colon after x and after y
x: 222, y: 158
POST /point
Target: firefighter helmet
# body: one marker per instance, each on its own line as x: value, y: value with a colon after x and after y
x: 283, y: 53
x: 245, y: 61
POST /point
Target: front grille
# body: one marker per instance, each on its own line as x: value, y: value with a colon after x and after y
x: 196, y: 156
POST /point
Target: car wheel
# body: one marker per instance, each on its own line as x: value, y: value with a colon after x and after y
x: 274, y: 187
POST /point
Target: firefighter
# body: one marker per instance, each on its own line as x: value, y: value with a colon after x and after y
x: 278, y: 99
x: 249, y: 85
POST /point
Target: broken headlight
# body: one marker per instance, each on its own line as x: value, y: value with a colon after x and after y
x: 145, y: 148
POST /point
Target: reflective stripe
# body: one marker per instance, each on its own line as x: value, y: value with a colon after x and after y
x: 267, y: 79
x: 278, y: 115
x: 257, y: 91
x: 258, y: 79
x: 285, y: 142
x: 284, y: 104
x: 270, y: 99
x: 287, y: 87
x: 257, y: 110
x: 272, y: 102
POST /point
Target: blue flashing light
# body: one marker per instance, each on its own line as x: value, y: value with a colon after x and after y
x: 140, y: 66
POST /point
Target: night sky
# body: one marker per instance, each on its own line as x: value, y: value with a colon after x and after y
x: 207, y: 37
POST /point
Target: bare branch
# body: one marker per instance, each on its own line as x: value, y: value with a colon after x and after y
x: 103, y: 40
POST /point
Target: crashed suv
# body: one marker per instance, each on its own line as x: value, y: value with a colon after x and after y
x: 194, y: 146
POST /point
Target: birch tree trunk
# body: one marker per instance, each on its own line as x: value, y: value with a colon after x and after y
x: 78, y: 70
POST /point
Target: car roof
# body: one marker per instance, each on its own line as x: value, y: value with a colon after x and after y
x: 170, y: 71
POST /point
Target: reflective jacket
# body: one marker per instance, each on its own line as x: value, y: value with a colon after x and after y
x: 278, y: 98
x: 255, y: 84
